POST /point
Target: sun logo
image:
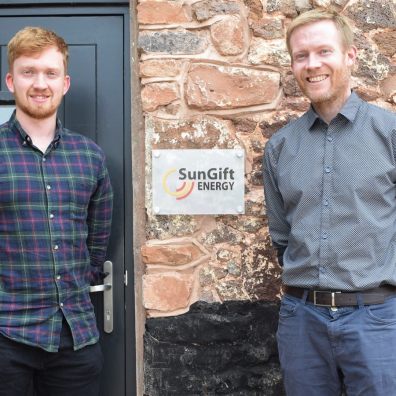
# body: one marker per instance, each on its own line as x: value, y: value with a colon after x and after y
x: 181, y: 192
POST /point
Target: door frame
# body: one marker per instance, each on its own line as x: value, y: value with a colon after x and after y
x: 17, y: 8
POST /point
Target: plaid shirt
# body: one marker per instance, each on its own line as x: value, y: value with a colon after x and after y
x: 55, y: 215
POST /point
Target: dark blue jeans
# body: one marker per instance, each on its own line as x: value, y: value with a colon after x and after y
x: 67, y: 372
x: 320, y: 348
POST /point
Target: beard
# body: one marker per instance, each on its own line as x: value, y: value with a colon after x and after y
x: 340, y: 80
x: 38, y: 111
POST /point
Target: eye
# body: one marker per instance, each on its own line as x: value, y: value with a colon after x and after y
x: 27, y: 72
x: 299, y: 56
x: 52, y: 74
x: 325, y: 51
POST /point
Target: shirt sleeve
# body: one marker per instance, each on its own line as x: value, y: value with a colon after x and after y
x: 278, y: 225
x: 99, y: 223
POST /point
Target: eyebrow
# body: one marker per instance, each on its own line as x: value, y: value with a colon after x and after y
x: 30, y: 66
x: 316, y: 47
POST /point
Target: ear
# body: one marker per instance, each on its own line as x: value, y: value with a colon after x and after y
x: 9, y: 80
x: 351, y: 56
x: 66, y: 84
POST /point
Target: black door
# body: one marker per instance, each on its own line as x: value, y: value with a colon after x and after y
x: 96, y: 106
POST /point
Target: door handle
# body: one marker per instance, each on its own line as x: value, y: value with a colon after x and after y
x: 107, y: 289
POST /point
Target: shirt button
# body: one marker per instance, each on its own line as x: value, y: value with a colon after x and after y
x: 325, y: 202
x: 56, y: 247
x: 324, y: 235
x: 58, y: 277
x: 48, y: 187
x: 327, y: 169
x: 61, y: 304
x: 51, y: 216
x: 44, y: 159
x: 330, y: 138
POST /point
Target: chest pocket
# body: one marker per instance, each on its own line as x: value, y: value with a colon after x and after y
x: 80, y: 195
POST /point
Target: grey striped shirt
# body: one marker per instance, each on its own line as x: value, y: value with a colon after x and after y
x: 330, y: 197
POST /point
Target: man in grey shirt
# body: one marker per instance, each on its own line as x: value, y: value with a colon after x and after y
x: 329, y: 180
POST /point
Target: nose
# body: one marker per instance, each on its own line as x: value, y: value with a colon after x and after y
x: 313, y: 62
x: 40, y: 81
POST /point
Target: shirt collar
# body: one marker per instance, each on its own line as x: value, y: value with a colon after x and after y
x: 16, y: 126
x: 349, y: 110
x: 351, y: 107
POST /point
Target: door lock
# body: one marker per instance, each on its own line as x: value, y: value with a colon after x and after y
x: 107, y: 289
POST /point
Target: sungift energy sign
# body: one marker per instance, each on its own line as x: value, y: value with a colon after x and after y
x: 198, y: 181
x: 213, y: 179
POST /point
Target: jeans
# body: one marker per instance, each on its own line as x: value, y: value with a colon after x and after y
x: 67, y: 372
x: 321, y: 348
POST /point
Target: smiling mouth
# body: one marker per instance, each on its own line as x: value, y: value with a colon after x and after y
x: 39, y: 98
x: 317, y: 78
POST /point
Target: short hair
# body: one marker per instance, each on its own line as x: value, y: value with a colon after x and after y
x: 322, y: 14
x: 34, y: 40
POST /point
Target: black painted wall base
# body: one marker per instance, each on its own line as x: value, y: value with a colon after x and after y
x: 214, y: 349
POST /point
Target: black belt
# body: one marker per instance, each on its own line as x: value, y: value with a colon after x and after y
x: 331, y: 298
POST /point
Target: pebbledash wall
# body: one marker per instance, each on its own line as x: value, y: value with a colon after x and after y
x: 215, y: 74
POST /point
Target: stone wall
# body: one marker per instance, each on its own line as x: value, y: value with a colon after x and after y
x: 214, y: 349
x: 216, y: 74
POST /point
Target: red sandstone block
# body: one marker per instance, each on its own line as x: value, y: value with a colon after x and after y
x: 162, y: 12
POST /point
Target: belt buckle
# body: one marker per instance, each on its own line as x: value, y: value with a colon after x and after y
x: 332, y: 305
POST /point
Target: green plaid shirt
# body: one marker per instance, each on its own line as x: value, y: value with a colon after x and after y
x: 55, y: 217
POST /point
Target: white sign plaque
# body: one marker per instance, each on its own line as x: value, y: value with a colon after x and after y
x: 198, y: 181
